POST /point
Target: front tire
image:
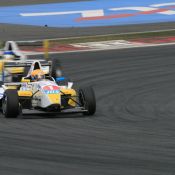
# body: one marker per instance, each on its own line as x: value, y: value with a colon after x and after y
x: 87, y: 100
x: 10, y: 103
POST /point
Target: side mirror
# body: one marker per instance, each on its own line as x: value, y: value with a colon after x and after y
x: 64, y: 82
x: 70, y: 84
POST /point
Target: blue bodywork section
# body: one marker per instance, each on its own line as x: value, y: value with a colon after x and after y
x: 60, y: 79
x: 8, y: 53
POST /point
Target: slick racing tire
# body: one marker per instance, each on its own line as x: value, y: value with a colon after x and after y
x: 16, y: 78
x: 56, y: 69
x: 10, y: 103
x: 26, y: 70
x: 87, y: 100
x: 1, y: 83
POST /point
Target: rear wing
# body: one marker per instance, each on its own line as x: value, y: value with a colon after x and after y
x: 25, y: 64
x: 7, y: 68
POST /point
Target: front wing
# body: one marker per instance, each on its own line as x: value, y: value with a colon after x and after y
x: 63, y: 111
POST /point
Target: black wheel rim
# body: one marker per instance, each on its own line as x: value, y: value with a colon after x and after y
x: 4, y: 105
x: 82, y: 99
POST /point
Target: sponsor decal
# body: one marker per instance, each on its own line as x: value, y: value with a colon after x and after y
x: 50, y: 89
x: 52, y: 92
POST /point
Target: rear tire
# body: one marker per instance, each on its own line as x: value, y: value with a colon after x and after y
x: 56, y: 70
x: 16, y: 78
x: 10, y: 103
x: 87, y: 100
x: 26, y: 71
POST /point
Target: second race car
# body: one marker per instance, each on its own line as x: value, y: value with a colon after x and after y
x: 13, y: 55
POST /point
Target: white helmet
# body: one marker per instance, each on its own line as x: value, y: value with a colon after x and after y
x: 8, y: 55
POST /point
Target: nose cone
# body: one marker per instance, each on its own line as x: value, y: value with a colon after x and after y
x: 54, y: 98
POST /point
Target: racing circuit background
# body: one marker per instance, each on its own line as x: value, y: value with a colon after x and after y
x: 133, y: 129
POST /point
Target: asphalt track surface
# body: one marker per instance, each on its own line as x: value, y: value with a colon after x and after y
x: 132, y: 131
x: 23, y: 33
x: 22, y: 2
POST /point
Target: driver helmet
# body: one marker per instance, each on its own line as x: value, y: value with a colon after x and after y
x: 37, y: 75
x: 9, y: 55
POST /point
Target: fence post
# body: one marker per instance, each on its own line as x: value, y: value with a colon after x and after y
x: 46, y: 49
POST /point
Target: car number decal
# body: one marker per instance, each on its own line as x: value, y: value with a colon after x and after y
x: 50, y: 89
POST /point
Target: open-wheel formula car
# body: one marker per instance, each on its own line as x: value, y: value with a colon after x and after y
x: 13, y: 56
x: 41, y: 93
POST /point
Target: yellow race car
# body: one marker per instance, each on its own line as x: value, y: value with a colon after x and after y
x: 41, y: 93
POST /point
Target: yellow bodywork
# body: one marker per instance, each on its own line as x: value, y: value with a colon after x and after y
x: 25, y: 80
x: 10, y: 87
x: 12, y: 70
x: 54, y: 98
x: 25, y: 93
x: 1, y: 65
x: 15, y: 70
x: 73, y: 93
